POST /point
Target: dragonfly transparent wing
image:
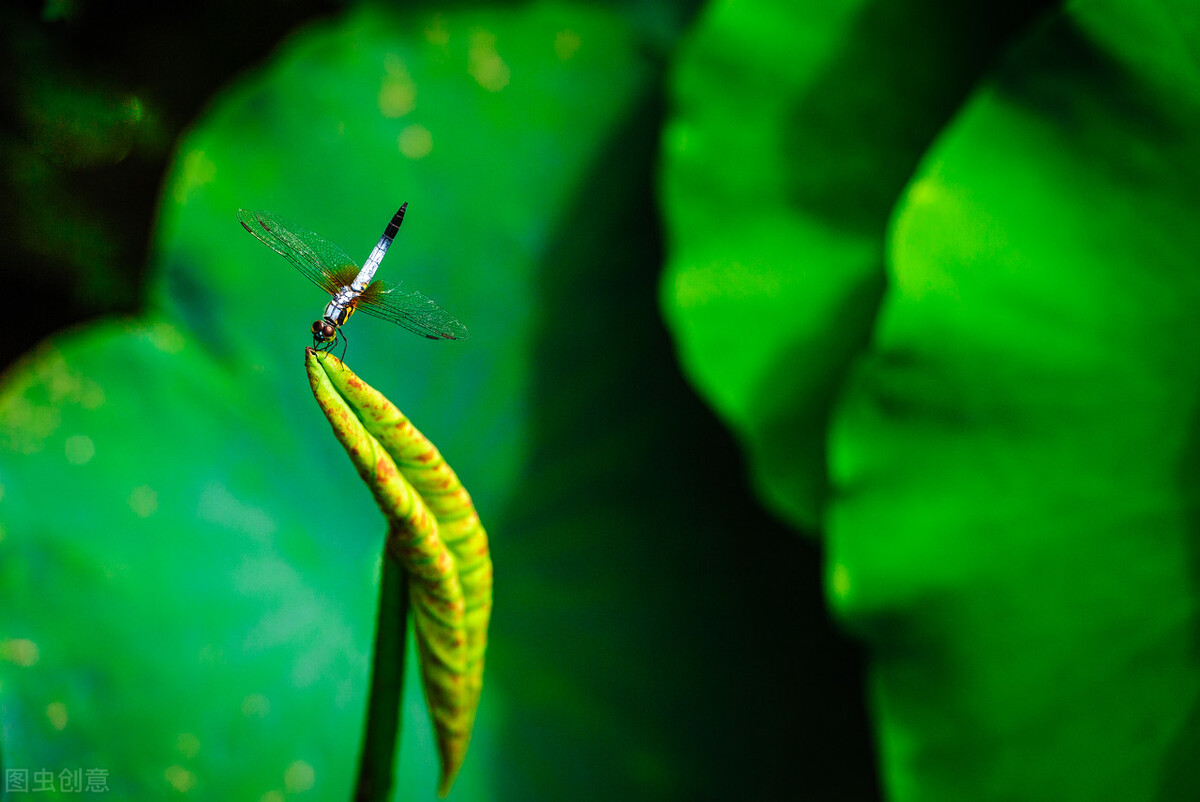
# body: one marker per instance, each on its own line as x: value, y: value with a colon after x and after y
x: 412, y: 310
x: 322, y: 262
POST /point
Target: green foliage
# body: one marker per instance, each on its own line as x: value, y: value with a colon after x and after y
x: 1011, y: 525
x: 1028, y: 411
x: 782, y: 164
x: 189, y: 565
x: 934, y: 269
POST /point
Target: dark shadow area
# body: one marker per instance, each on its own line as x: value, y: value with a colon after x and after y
x: 905, y: 69
x: 667, y: 628
x: 1178, y: 772
x: 94, y: 96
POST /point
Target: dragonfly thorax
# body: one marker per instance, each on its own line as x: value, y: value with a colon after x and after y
x: 337, y: 312
x: 339, y: 309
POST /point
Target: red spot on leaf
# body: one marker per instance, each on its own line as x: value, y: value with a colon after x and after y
x: 384, y: 468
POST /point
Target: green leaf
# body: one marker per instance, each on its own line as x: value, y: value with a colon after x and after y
x: 434, y: 531
x: 1016, y: 463
x: 796, y: 126
x: 213, y: 534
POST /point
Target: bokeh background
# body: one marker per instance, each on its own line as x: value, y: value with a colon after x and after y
x: 830, y: 399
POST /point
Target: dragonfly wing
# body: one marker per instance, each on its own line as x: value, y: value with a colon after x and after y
x: 412, y: 310
x: 322, y: 262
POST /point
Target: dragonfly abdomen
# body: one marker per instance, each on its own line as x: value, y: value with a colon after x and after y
x: 372, y: 264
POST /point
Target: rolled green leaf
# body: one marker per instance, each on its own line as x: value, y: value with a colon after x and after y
x: 435, y: 533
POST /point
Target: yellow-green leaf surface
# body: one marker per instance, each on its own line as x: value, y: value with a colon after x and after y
x: 435, y: 533
x: 189, y: 566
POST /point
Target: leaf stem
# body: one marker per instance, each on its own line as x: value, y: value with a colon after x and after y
x: 381, y: 737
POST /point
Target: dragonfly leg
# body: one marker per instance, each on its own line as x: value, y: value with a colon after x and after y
x: 323, y: 347
x: 345, y: 343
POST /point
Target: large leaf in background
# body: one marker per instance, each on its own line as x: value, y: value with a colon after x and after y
x: 1016, y: 469
x: 185, y: 546
x: 796, y: 127
x: 1017, y: 464
x: 188, y: 567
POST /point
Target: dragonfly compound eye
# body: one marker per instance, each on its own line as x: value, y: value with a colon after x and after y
x: 323, y: 331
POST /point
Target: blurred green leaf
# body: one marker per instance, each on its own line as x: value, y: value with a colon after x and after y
x: 1017, y: 462
x: 796, y: 127
x: 209, y: 519
x: 1014, y: 469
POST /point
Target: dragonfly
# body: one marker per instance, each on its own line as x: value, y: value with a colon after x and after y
x: 351, y: 287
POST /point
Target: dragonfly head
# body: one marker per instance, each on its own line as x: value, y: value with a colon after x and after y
x: 323, y: 332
